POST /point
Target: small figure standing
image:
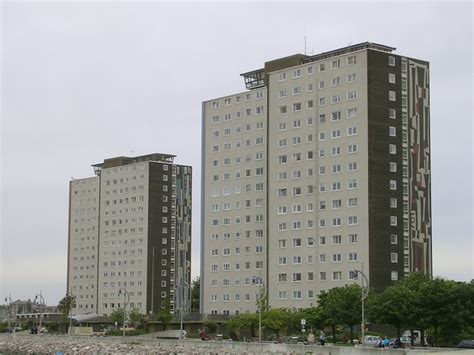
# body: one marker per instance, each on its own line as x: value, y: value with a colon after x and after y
x: 311, y: 338
x: 202, y: 334
x: 398, y: 343
x: 322, y: 338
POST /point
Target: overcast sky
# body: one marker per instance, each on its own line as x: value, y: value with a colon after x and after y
x: 84, y: 81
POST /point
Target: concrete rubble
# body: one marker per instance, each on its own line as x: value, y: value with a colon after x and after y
x: 58, y: 345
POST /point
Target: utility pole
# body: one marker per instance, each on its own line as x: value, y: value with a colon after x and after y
x: 39, y: 298
x: 9, y: 302
x: 364, y: 293
x: 126, y: 299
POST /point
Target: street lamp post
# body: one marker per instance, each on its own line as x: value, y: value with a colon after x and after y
x: 126, y: 299
x: 364, y: 293
x: 9, y: 302
x: 71, y: 302
x: 260, y: 297
x: 39, y: 298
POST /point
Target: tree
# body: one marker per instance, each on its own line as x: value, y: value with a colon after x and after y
x: 117, y: 316
x: 394, y: 306
x: 66, y: 304
x: 342, y: 306
x: 195, y: 295
x: 275, y: 320
x: 244, y: 320
x: 164, y: 315
x: 136, y: 318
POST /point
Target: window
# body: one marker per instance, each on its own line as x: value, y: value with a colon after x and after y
x: 352, y: 202
x: 352, y: 238
x: 393, y: 239
x: 336, y: 98
x: 335, y: 151
x: 392, y: 96
x: 336, y: 204
x: 391, y: 78
x: 296, y: 295
x: 335, y: 133
x: 297, y: 106
x: 309, y: 104
x: 336, y: 168
x: 282, y: 295
x: 282, y: 109
x: 282, y: 260
x: 336, y: 116
x: 282, y: 93
x: 351, y: 95
x: 282, y: 77
x: 351, y: 78
x: 392, y: 149
x: 394, y: 257
x: 259, y: 110
x: 336, y: 81
x: 296, y: 90
x: 392, y: 131
x: 282, y: 126
x: 337, y: 275
x: 309, y: 70
x: 393, y: 221
x: 297, y: 73
x: 282, y: 277
x: 309, y: 88
x: 351, y: 131
x: 282, y: 243
x: 322, y: 136
x: 394, y: 275
x: 351, y: 59
x: 297, y: 260
x: 296, y: 242
x: 391, y: 61
x: 322, y: 67
x: 352, y: 166
x: 322, y: 101
x: 335, y: 64
x: 321, y: 84
x: 352, y: 113
x: 336, y: 258
x: 352, y: 220
x: 336, y: 186
x: 352, y: 148
x: 392, y: 113
x: 393, y: 184
x: 296, y: 123
x: 336, y: 222
x: 393, y: 167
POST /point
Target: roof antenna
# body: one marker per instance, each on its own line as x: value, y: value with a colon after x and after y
x: 305, y: 40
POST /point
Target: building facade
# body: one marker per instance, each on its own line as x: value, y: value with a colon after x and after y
x: 130, y: 236
x: 321, y: 168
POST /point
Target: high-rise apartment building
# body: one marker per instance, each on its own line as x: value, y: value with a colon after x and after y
x: 130, y: 234
x: 322, y: 167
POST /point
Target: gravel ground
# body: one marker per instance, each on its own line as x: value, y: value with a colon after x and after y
x: 48, y: 344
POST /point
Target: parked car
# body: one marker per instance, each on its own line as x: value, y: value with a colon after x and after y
x: 466, y: 344
x: 371, y: 340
